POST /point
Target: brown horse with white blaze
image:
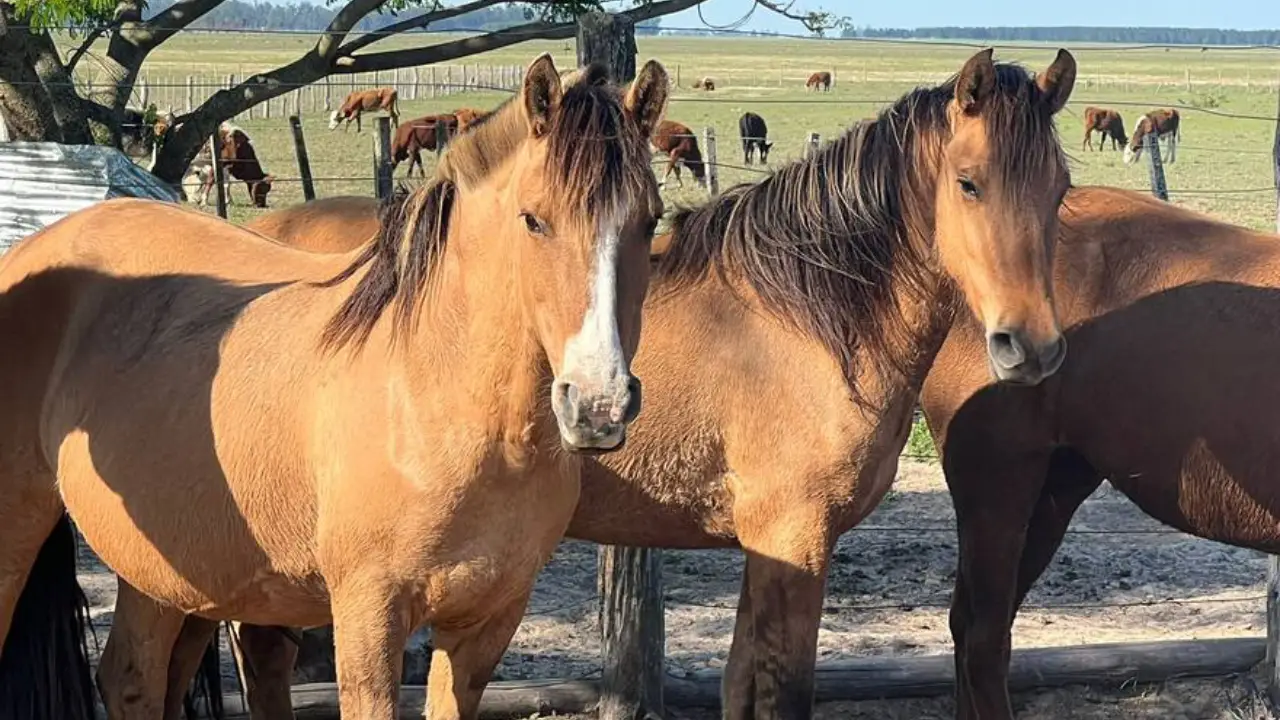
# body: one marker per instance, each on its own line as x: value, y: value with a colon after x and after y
x: 409, y: 454
x: 1166, y: 124
x: 830, y: 284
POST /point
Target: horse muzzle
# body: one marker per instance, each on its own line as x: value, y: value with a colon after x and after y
x: 1017, y: 360
x: 595, y: 422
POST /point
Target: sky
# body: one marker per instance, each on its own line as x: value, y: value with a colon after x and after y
x: 1229, y: 14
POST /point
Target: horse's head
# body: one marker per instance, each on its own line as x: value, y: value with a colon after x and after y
x: 1133, y: 149
x: 582, y: 207
x: 335, y: 118
x: 765, y: 147
x: 1001, y: 177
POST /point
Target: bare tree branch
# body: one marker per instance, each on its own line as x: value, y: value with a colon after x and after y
x: 151, y: 33
x: 815, y: 21
x: 89, y: 40
x: 330, y: 43
x: 539, y: 30
x: 414, y: 23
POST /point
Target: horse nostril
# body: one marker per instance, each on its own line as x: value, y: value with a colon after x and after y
x: 564, y: 398
x: 635, y: 392
x: 1006, y: 350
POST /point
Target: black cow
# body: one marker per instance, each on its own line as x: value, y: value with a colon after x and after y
x: 753, y: 131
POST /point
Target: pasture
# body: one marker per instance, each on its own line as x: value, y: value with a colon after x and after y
x: 888, y: 592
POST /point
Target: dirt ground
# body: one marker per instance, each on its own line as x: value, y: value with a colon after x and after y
x: 887, y: 595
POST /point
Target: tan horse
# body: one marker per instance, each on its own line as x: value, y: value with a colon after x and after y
x: 336, y: 224
x: 1170, y: 395
x: 376, y: 439
x: 817, y: 300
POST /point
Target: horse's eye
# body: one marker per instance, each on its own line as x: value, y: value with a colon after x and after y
x: 533, y: 224
x: 968, y: 187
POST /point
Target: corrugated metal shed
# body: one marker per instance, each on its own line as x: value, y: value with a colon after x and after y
x: 41, y: 182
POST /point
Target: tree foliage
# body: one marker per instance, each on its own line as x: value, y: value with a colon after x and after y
x: 62, y: 13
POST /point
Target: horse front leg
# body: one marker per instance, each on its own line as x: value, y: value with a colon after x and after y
x: 788, y: 547
x: 265, y: 657
x: 133, y: 674
x: 463, y: 660
x: 738, y: 688
x: 370, y: 627
x: 994, y: 500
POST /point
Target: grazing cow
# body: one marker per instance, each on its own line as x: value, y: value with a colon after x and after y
x: 1165, y: 123
x: 239, y: 161
x: 363, y: 101
x: 1107, y: 122
x: 681, y: 147
x: 705, y: 83
x: 819, y: 80
x: 417, y: 135
x: 753, y: 131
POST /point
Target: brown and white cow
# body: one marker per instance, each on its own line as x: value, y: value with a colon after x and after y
x: 1107, y: 122
x: 705, y: 83
x: 819, y: 81
x: 681, y: 146
x: 239, y: 162
x: 1165, y: 123
x: 420, y: 134
x: 363, y: 101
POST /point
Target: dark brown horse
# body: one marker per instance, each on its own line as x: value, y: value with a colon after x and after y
x: 819, y: 81
x: 681, y: 147
x: 754, y: 133
x: 823, y: 293
x: 417, y: 135
x: 1169, y: 394
x: 1108, y: 123
x: 1167, y: 126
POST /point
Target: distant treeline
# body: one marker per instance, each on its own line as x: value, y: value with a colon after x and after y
x: 1128, y: 35
x: 240, y: 15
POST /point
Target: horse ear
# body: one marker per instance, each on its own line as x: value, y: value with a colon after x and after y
x: 646, y: 99
x: 540, y: 94
x: 1057, y: 82
x: 976, y: 82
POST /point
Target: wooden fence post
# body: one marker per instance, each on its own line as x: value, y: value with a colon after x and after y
x: 328, y: 93
x: 629, y: 579
x: 442, y: 139
x: 191, y: 93
x: 1158, y: 186
x: 1273, y: 562
x: 712, y: 168
x: 812, y: 146
x: 219, y: 175
x: 382, y: 159
x: 304, y: 162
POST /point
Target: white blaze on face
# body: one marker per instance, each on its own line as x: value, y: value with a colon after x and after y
x: 593, y: 358
x: 1128, y: 155
x: 333, y: 120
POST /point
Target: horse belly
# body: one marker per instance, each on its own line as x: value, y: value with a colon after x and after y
x: 180, y: 544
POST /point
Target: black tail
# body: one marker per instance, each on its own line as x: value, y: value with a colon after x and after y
x: 207, y: 685
x: 44, y: 667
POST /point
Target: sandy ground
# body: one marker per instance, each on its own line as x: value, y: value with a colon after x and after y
x: 888, y: 592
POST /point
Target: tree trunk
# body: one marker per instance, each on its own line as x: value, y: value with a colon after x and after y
x: 609, y: 40
x: 65, y: 102
x: 24, y: 104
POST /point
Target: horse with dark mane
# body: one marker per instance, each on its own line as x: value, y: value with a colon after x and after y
x: 420, y: 134
x: 681, y: 147
x: 823, y: 293
x: 1106, y: 122
x: 379, y: 439
x: 1170, y: 396
x: 754, y: 133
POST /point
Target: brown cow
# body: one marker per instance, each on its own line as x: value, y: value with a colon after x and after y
x: 1107, y: 122
x: 417, y: 135
x: 681, y: 147
x: 1165, y: 123
x: 468, y: 117
x: 239, y: 161
x: 705, y: 83
x: 819, y: 80
x: 363, y: 101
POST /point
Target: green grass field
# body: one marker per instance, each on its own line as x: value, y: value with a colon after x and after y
x: 1218, y: 154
